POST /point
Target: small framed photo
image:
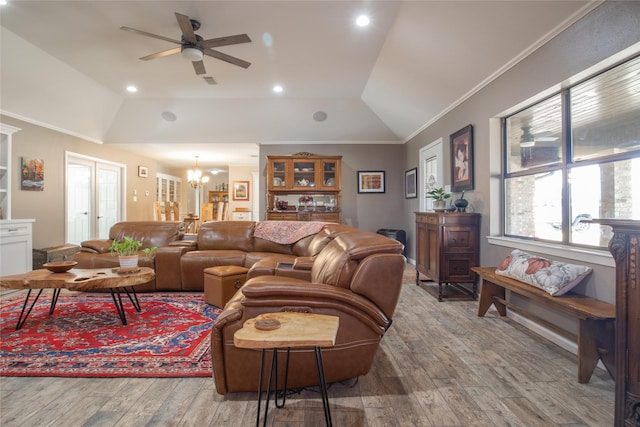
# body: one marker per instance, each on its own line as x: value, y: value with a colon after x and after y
x: 370, y: 181
x: 411, y: 183
x: 462, y: 159
x: 143, y: 172
x: 241, y: 190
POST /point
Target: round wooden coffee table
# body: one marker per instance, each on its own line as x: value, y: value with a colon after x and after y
x: 78, y: 279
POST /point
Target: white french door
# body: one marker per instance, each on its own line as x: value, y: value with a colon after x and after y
x: 94, y: 197
x: 431, y: 175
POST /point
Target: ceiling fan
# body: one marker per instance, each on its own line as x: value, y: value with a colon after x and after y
x: 193, y: 47
x: 528, y: 140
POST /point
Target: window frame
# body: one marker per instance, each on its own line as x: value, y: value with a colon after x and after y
x: 564, y: 166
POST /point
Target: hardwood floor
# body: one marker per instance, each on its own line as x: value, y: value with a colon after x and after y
x: 438, y: 365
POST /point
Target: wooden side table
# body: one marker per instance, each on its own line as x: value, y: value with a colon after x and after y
x: 78, y: 279
x: 287, y: 330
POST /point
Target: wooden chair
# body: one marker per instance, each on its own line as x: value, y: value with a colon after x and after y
x: 225, y: 212
x: 219, y: 213
x: 157, y: 211
x: 175, y: 210
x: 167, y: 211
x: 206, y: 213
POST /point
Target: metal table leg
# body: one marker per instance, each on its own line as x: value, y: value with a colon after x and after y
x: 54, y: 300
x: 273, y: 376
x: 133, y: 297
x: 323, y: 386
x: 22, y: 319
x: 118, y: 303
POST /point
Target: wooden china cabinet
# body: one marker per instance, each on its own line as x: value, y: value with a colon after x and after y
x: 447, y: 246
x: 304, y: 187
x: 625, y: 248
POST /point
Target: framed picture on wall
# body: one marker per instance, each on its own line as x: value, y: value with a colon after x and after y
x: 370, y: 181
x: 462, y: 159
x: 143, y: 172
x: 240, y: 190
x: 411, y: 183
x: 32, y: 174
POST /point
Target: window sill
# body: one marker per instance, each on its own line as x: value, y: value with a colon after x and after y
x: 589, y: 256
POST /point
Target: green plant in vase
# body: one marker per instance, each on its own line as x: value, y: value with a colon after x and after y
x: 127, y: 251
x: 128, y: 246
x: 439, y: 197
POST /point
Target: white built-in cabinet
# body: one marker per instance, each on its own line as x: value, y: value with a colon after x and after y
x: 16, y: 247
x: 168, y: 188
x: 6, y: 133
x: 16, y: 235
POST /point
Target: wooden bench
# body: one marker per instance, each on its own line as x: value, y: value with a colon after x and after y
x: 596, y: 319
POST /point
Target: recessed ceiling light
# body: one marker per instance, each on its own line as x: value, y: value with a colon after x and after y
x: 278, y: 89
x: 362, y: 21
x: 169, y: 116
x: 319, y: 116
x: 132, y: 89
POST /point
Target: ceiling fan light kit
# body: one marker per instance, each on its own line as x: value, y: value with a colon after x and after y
x: 192, y: 53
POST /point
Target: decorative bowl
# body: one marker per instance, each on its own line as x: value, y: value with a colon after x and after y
x: 60, y: 266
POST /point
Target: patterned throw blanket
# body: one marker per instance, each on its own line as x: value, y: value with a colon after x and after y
x: 287, y: 232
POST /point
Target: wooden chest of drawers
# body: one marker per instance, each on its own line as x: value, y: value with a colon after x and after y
x: 447, y: 247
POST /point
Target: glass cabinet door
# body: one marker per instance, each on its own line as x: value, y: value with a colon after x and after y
x: 279, y: 173
x: 330, y: 177
x: 304, y: 173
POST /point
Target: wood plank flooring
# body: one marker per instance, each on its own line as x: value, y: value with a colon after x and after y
x: 438, y: 365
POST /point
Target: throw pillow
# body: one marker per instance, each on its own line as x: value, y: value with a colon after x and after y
x: 555, y: 277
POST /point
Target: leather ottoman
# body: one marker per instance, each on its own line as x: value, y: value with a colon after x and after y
x: 222, y: 282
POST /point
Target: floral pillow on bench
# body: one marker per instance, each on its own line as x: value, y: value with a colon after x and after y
x: 555, y: 277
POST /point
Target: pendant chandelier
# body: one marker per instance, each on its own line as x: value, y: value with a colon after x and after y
x: 195, y: 177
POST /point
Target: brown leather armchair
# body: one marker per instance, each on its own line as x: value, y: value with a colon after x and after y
x: 357, y: 277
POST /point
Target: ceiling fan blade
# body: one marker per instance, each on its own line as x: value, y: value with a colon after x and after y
x: 198, y: 66
x: 227, y: 58
x: 161, y: 54
x: 225, y: 41
x: 144, y: 33
x: 186, y: 28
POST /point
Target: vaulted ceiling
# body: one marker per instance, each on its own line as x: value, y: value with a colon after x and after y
x: 66, y: 65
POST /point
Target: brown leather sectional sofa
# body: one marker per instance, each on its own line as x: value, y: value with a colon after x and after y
x: 180, y: 263
x: 340, y: 271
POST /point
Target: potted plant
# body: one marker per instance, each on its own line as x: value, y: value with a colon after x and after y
x: 127, y: 251
x: 439, y: 196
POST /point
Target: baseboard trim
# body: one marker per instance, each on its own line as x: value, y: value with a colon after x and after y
x: 552, y: 336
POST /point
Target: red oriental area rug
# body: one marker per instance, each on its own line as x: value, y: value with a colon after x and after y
x: 84, y: 337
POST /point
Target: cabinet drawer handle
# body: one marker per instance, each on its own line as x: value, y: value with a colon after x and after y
x: 11, y: 230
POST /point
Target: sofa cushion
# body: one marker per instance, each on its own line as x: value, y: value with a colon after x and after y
x: 233, y: 235
x: 333, y: 266
x: 312, y: 245
x: 150, y: 233
x: 555, y: 277
x: 262, y: 245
